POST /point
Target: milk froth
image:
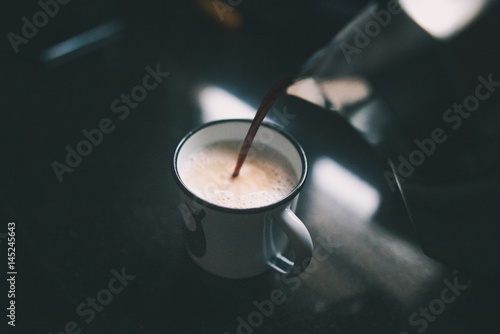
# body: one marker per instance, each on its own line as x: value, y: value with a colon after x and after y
x: 265, y: 178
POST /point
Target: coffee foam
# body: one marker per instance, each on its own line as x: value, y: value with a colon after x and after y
x: 265, y: 178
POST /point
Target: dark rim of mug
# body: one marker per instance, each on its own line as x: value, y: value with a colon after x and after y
x: 271, y: 206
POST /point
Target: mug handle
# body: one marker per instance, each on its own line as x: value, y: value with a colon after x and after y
x: 301, y: 242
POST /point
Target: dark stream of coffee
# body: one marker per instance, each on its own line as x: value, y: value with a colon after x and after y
x: 276, y: 91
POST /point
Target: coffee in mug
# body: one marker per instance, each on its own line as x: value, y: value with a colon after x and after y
x: 238, y: 227
x: 265, y: 178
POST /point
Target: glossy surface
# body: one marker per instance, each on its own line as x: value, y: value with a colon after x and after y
x: 102, y: 251
x: 419, y: 100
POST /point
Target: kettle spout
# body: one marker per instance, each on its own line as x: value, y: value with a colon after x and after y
x: 307, y: 89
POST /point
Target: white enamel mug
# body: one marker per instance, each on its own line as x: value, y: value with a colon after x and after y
x: 240, y: 243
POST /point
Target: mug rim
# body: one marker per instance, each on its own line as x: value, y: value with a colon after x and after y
x: 298, y: 187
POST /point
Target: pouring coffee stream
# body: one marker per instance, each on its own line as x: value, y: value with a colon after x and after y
x: 277, y: 90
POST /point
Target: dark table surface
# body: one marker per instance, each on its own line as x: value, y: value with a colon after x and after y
x: 115, y: 214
